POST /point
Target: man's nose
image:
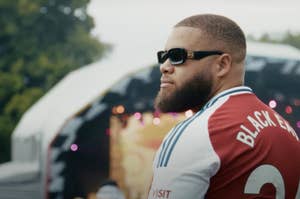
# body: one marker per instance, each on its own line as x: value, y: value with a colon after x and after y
x: 167, y: 67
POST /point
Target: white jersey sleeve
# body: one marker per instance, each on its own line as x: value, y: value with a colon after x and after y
x: 184, y: 171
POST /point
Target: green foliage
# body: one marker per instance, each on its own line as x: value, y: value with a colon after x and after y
x: 290, y: 38
x: 40, y: 42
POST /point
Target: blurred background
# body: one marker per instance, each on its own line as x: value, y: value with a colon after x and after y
x: 78, y: 79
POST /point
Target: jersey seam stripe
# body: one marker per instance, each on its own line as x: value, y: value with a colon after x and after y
x: 174, y: 132
x: 185, y: 125
x: 170, y: 140
x: 227, y: 93
x: 165, y: 143
x: 162, y: 148
x: 177, y: 137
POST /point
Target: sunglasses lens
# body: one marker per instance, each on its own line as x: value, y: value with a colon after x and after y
x: 177, y: 56
x: 162, y: 56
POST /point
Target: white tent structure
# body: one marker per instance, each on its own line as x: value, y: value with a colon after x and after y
x: 40, y: 125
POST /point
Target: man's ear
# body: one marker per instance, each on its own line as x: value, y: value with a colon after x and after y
x: 224, y: 63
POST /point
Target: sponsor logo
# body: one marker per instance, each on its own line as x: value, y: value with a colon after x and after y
x: 161, y: 193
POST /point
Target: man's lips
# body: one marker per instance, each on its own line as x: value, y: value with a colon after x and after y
x: 165, y: 83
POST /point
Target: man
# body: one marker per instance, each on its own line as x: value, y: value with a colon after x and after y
x: 234, y: 146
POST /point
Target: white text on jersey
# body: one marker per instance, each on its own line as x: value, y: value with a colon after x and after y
x: 260, y: 120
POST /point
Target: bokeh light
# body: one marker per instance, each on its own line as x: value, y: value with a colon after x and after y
x: 189, y: 113
x: 137, y: 115
x: 298, y: 124
x: 156, y: 121
x: 156, y: 114
x: 297, y: 102
x: 74, y: 147
x: 107, y: 131
x: 272, y: 103
x: 120, y: 109
x: 288, y: 109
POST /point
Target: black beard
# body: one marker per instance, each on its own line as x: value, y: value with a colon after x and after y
x: 192, y: 95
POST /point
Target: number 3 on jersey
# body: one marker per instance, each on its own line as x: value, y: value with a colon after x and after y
x: 267, y: 174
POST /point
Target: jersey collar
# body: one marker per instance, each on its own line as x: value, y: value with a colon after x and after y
x: 228, y: 92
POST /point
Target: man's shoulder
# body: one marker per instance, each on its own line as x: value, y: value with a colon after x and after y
x: 235, y: 108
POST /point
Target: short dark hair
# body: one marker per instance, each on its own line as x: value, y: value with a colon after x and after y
x: 221, y: 29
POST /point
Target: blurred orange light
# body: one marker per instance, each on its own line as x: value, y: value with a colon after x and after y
x: 120, y: 109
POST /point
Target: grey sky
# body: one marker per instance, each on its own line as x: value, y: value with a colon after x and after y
x: 143, y: 26
x: 254, y: 16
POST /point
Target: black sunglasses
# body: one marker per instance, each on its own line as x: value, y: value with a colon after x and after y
x: 178, y: 56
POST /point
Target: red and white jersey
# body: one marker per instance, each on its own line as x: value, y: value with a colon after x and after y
x: 235, y: 147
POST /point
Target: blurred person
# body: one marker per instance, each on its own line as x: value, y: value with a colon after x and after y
x: 234, y: 146
x: 110, y: 190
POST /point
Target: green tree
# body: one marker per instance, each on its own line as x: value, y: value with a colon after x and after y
x: 288, y: 37
x: 292, y: 39
x: 40, y: 42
